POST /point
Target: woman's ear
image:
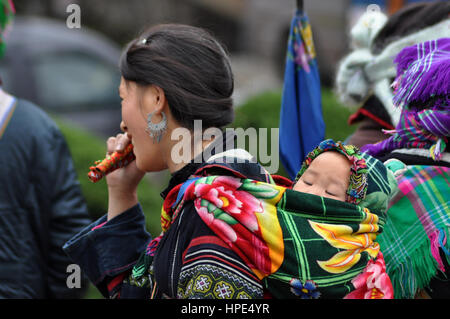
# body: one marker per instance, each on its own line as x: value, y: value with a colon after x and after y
x: 154, y: 99
x: 160, y: 98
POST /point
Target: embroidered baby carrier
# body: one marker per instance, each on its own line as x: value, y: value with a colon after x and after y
x: 299, y: 245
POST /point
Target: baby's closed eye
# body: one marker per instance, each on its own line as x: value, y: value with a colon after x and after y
x: 336, y: 190
x: 307, y: 182
x: 330, y: 193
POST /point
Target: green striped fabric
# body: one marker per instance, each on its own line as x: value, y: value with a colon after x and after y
x: 304, y: 246
x: 418, y: 226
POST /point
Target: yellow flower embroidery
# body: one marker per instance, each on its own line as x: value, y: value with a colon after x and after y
x: 352, y: 243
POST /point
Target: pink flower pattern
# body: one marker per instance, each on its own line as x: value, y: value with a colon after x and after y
x: 231, y: 213
x: 215, y: 223
x: 373, y: 282
x: 222, y: 194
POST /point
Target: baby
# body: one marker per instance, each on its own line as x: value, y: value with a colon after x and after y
x: 334, y: 170
x: 342, y: 173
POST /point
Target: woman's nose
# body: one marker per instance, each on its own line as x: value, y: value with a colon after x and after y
x: 123, y: 127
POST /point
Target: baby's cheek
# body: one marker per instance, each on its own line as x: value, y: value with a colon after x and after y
x: 340, y: 197
x: 298, y: 187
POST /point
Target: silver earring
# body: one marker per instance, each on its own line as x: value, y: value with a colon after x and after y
x: 156, y: 130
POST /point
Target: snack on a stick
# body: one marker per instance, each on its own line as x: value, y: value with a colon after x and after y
x: 111, y: 163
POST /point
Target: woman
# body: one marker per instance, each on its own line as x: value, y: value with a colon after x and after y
x: 171, y: 76
x: 415, y: 239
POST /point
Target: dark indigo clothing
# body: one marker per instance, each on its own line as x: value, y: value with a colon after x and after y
x: 367, y: 132
x: 111, y: 249
x: 190, y: 236
x: 371, y: 118
x: 190, y: 249
x: 41, y: 207
x: 373, y: 109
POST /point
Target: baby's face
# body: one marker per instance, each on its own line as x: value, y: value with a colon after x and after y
x: 328, y: 175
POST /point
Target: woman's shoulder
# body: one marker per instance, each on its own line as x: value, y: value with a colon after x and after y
x: 234, y: 162
x: 417, y: 156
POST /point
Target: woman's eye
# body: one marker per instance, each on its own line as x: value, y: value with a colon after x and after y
x: 331, y: 194
x: 307, y: 183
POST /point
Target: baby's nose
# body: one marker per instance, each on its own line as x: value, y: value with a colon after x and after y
x: 317, y: 191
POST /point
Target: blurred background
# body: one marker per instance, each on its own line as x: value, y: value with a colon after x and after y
x: 254, y: 31
x: 72, y: 73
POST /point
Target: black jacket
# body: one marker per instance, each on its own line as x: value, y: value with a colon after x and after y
x: 41, y: 207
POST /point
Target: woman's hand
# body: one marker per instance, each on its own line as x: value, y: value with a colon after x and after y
x: 123, y: 182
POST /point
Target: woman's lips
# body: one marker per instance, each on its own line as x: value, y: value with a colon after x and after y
x: 129, y: 137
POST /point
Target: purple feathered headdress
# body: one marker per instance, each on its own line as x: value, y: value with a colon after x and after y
x: 423, y: 75
x: 423, y: 71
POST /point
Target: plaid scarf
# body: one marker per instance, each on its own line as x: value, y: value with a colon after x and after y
x: 427, y: 129
x: 417, y: 226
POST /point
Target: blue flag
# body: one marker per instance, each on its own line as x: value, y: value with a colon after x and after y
x: 301, y: 122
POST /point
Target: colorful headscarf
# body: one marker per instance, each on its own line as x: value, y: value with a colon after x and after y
x: 7, y: 12
x: 358, y: 172
x: 423, y: 77
x: 427, y: 129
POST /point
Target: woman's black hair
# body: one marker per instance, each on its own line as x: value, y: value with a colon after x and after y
x: 412, y: 18
x: 191, y: 67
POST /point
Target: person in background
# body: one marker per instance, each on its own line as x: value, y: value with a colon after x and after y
x: 365, y: 75
x: 41, y: 204
x: 415, y: 240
